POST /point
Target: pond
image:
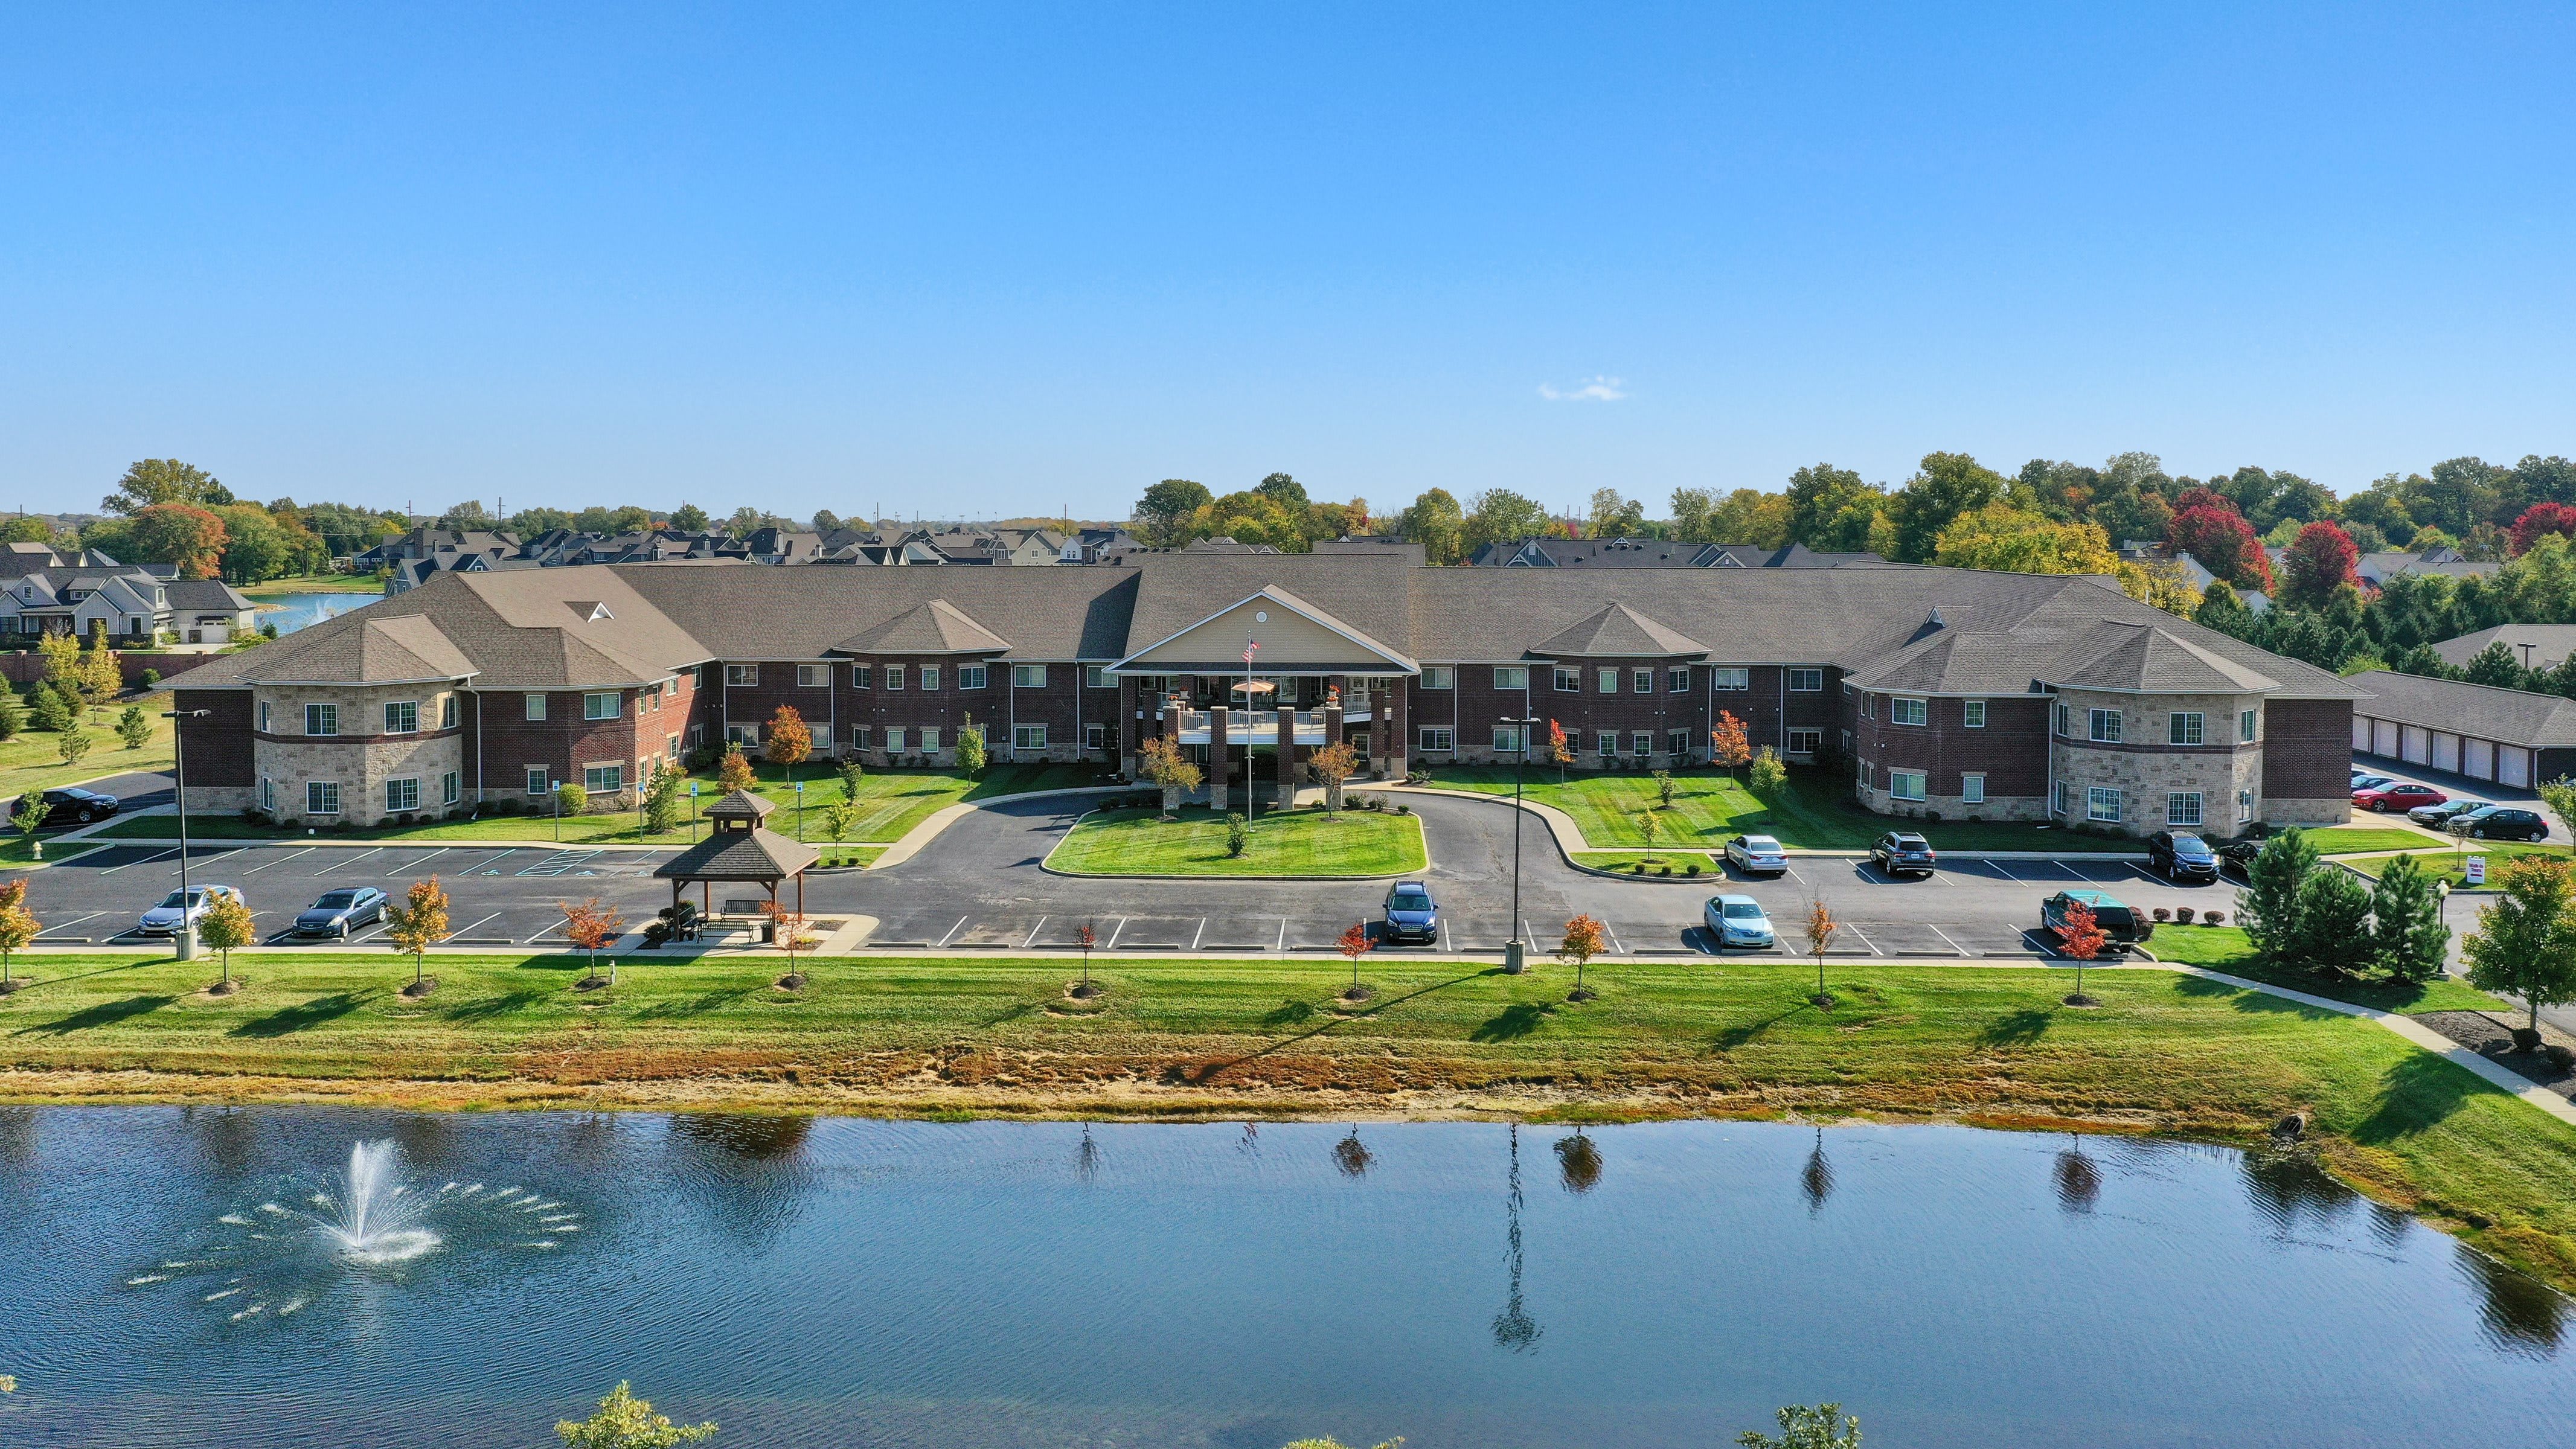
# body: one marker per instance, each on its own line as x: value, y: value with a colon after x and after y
x: 295, y: 611
x: 242, y: 1277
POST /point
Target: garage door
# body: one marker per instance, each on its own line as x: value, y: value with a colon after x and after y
x: 2361, y: 733
x: 2383, y: 737
x: 2513, y: 765
x: 2446, y: 751
x: 2477, y: 759
x: 2417, y: 744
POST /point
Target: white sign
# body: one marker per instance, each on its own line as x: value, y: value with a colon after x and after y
x: 2477, y: 870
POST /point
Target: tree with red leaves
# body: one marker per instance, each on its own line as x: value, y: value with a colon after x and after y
x: 2209, y: 529
x: 2538, y: 522
x: 2081, y: 939
x: 1353, y: 944
x: 2320, y: 561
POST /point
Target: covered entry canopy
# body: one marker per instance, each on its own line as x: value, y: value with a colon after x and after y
x: 740, y: 848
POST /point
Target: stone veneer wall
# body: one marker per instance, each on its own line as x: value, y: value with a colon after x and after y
x: 2146, y: 768
x: 360, y: 759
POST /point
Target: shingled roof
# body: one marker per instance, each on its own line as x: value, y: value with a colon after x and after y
x: 1617, y: 631
x: 755, y: 854
x: 937, y: 627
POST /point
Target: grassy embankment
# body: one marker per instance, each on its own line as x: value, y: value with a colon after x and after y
x: 1298, y: 842
x: 891, y: 802
x: 2453, y: 865
x: 1228, y: 1037
x: 315, y: 584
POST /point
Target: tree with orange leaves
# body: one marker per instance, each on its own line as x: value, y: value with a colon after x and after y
x: 1585, y: 938
x: 788, y: 924
x: 1559, y: 753
x: 592, y: 926
x: 1727, y: 744
x: 1821, y: 926
x: 2080, y: 940
x: 734, y: 772
x: 1353, y: 944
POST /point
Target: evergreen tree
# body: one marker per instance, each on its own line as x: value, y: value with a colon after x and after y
x: 50, y: 711
x: 2407, y: 935
x: 2334, y: 922
x: 13, y: 714
x: 2268, y: 907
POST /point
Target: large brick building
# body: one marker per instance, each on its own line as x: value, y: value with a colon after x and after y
x: 1998, y: 696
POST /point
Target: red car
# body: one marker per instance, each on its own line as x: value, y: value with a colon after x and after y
x: 2398, y: 795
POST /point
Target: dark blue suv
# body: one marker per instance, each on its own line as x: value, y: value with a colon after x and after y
x: 2179, y: 855
x: 1410, y: 914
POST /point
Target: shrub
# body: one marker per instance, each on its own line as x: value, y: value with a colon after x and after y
x: 2162, y: 914
x: 1637, y: 868
x: 2213, y: 918
x: 2525, y: 1040
x: 151, y: 677
x: 2560, y: 1057
x: 2183, y: 914
x: 1238, y: 834
x: 1403, y: 809
x: 1694, y: 870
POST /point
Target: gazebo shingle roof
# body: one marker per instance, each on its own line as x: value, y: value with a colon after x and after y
x: 754, y: 854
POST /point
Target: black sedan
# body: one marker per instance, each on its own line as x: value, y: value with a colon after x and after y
x: 342, y: 911
x: 2505, y: 822
x: 72, y: 805
x: 2437, y: 816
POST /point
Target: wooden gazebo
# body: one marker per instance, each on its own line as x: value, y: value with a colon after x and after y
x: 739, y: 848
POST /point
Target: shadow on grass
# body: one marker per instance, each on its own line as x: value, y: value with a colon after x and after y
x: 2244, y: 1000
x: 487, y: 1008
x: 1288, y: 1013
x: 1737, y: 1035
x: 2420, y: 1091
x: 699, y: 1005
x: 1016, y: 1011
x: 106, y: 1013
x: 1208, y: 1071
x: 2019, y: 1028
x: 289, y: 1020
x: 1513, y: 1022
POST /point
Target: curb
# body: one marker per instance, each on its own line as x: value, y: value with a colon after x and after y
x: 1418, y: 830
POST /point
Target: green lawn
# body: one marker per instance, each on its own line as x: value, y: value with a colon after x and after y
x: 891, y: 803
x: 1300, y: 842
x: 316, y: 584
x: 2349, y: 839
x: 1227, y: 1037
x: 33, y: 761
x: 2453, y: 865
x: 1680, y: 860
x: 2223, y: 948
x: 1815, y: 813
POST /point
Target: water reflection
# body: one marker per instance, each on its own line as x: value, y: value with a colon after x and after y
x: 2079, y: 1182
x: 1351, y: 1155
x: 1578, y: 1162
x: 1513, y: 1327
x: 1086, y: 1157
x: 17, y: 1136
x: 2290, y: 1191
x: 744, y: 1170
x: 1817, y: 1181
x: 2520, y: 1314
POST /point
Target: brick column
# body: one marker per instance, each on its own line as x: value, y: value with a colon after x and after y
x: 1216, y: 757
x: 1127, y: 728
x: 1287, y: 757
x: 1399, y: 738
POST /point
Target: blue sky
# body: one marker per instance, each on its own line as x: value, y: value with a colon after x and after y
x: 977, y: 261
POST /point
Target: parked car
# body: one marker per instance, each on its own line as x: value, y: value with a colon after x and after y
x: 2359, y: 774
x: 1902, y: 852
x: 2397, y: 795
x: 1757, y: 855
x: 1410, y: 914
x: 2369, y: 782
x: 1736, y: 921
x: 2506, y: 822
x: 342, y: 911
x: 2179, y: 855
x: 182, y: 909
x: 72, y: 805
x: 2439, y: 816
x: 2236, y: 855
x: 2121, y: 925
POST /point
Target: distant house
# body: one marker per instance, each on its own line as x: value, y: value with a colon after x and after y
x: 2509, y: 736
x: 1652, y: 553
x: 132, y: 606
x: 2534, y: 646
x: 2376, y: 569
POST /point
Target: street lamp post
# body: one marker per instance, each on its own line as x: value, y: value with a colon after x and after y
x: 1515, y: 950
x: 183, y: 942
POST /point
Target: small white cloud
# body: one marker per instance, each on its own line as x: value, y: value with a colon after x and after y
x: 1593, y: 389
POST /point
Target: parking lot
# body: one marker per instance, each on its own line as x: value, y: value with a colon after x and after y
x: 498, y: 895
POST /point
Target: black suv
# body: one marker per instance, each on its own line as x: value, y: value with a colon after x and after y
x: 72, y: 805
x: 2181, y: 855
x: 1901, y: 852
x: 2506, y: 822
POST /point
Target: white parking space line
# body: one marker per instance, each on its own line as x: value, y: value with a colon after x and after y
x: 461, y: 930
x: 2144, y: 874
x: 433, y: 855
x: 67, y: 925
x: 1033, y: 933
x: 1282, y: 943
x: 131, y: 864
x: 1614, y: 938
x: 335, y: 865
x: 1800, y: 879
x: 1113, y: 934
x: 2071, y: 872
x: 371, y: 935
x: 1195, y: 935
x: 953, y: 930
x: 487, y: 860
x: 1944, y: 935
x: 1864, y: 939
x: 290, y: 855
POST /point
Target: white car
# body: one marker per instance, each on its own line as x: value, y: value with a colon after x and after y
x: 1736, y: 921
x: 1757, y: 855
x: 180, y: 909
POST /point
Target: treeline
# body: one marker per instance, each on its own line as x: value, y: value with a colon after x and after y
x: 2396, y: 628
x: 1275, y: 511
x: 168, y: 512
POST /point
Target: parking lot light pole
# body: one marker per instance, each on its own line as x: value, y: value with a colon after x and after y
x: 183, y: 942
x: 1515, y: 950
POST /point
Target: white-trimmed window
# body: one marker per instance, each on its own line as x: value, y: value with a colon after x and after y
x: 1028, y: 737
x: 1972, y: 789
x: 1677, y: 742
x: 863, y: 676
x: 1610, y: 681
x: 1731, y: 678
x: 1511, y: 676
x: 2245, y: 727
x: 1642, y: 681
x: 1096, y: 676
x: 1023, y: 676
x: 603, y: 779
x: 451, y: 788
x: 813, y: 676
x: 1507, y: 739
x: 447, y: 713
x: 1569, y: 679
x: 2182, y: 727
x: 1908, y: 712
x: 1437, y: 739
x: 1677, y: 681
x: 1605, y: 741
x: 2182, y: 807
x: 402, y: 795
x: 2065, y: 720
x: 263, y: 716
x: 894, y: 738
x: 2102, y: 802
x: 2058, y: 795
x: 1641, y: 743
x: 1905, y: 784
x: 1972, y: 713
x: 1438, y: 676
x: 1806, y: 742
x: 894, y: 676
x: 267, y: 793
x: 742, y: 674
x: 1806, y: 681
x: 745, y: 735
x: 858, y: 737
x: 402, y: 716
x: 535, y: 705
x: 321, y: 797
x: 322, y: 719
x: 930, y: 739
x: 2244, y: 806
x: 599, y: 704
x: 1869, y: 706
x: 537, y: 780
x: 929, y: 677
x: 2106, y: 725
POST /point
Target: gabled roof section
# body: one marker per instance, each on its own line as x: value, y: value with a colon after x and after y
x: 1617, y: 631
x: 935, y: 627
x: 2144, y: 659
x: 402, y: 649
x: 1291, y: 633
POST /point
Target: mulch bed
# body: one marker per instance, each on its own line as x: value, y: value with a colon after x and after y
x: 2493, y: 1039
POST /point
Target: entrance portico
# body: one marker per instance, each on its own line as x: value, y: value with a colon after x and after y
x: 1327, y: 682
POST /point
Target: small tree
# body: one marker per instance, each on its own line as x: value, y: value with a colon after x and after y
x: 851, y: 773
x: 1728, y: 748
x: 1821, y: 926
x: 571, y: 800
x: 225, y: 928
x: 71, y: 744
x: 627, y: 1422
x: 1768, y: 777
x: 663, y: 802
x: 788, y: 924
x: 1086, y: 936
x: 2525, y: 943
x: 1353, y: 944
x: 62, y: 655
x: 29, y: 816
x: 2334, y: 922
x: 734, y: 772
x: 2407, y: 937
x: 134, y: 727
x: 1560, y: 752
x: 1170, y: 769
x: 419, y: 923
x: 1825, y: 1426
x: 1665, y: 789
x: 1649, y: 825
x: 592, y: 926
x: 1332, y: 766
x: 18, y: 929
x: 971, y: 754
x: 2268, y: 907
x: 1585, y: 938
x: 2080, y: 940
x: 839, y: 819
x: 13, y: 713
x: 50, y: 711
x: 101, y: 678
x: 1238, y: 834
x: 2560, y: 796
